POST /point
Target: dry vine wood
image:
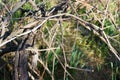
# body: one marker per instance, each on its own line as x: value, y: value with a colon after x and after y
x: 27, y: 40
x: 6, y: 20
x: 95, y: 29
x: 21, y: 57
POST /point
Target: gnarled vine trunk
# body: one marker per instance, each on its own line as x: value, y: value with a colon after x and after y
x: 21, y: 58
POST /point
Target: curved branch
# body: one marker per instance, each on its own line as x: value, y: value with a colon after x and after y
x: 95, y: 29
